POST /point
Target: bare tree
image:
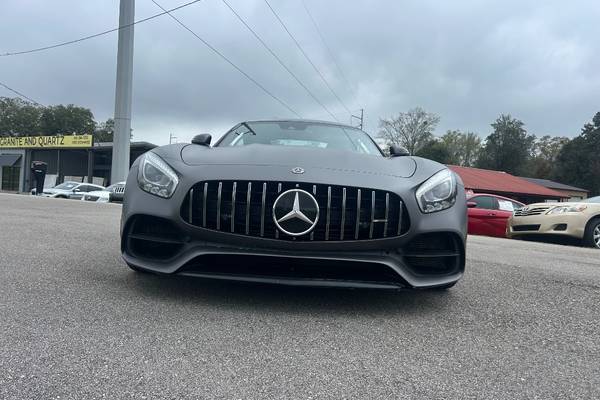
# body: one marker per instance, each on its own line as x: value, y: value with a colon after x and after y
x: 411, y: 130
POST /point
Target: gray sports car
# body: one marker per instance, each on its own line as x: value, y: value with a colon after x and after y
x: 295, y: 202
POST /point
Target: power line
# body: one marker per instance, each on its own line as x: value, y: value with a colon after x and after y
x: 97, y: 34
x: 279, y: 59
x: 307, y: 57
x: 22, y: 95
x: 314, y: 22
x: 217, y: 52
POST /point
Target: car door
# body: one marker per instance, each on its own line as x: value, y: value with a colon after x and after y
x: 79, y: 191
x: 505, y: 210
x: 481, y: 217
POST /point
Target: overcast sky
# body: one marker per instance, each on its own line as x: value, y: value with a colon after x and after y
x: 467, y: 61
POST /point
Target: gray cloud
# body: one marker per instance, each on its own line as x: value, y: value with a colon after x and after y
x: 468, y: 61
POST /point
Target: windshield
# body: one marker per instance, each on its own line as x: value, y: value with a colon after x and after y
x: 66, y: 185
x: 592, y: 200
x: 301, y: 134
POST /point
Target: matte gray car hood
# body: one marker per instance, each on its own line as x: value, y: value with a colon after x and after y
x: 270, y: 155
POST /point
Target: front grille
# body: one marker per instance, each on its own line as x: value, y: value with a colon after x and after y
x: 245, y: 208
x: 524, y: 212
x: 119, y: 189
x: 521, y: 228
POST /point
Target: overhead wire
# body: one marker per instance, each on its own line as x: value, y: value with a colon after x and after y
x: 35, y: 50
x: 328, y: 49
x: 240, y: 70
x: 278, y: 59
x: 307, y: 57
x: 21, y: 95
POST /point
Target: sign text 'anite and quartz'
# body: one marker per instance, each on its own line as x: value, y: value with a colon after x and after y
x: 56, y: 142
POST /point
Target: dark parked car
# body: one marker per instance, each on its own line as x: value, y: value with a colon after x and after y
x: 295, y: 202
x: 489, y: 214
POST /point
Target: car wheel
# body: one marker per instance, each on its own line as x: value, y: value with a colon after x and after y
x: 444, y: 287
x: 592, y: 234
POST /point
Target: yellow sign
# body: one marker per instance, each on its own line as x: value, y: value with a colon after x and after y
x: 46, y: 142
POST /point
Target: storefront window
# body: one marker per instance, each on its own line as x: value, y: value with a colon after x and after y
x: 10, y: 178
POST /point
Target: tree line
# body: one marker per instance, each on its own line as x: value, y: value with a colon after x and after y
x: 22, y: 118
x: 509, y: 148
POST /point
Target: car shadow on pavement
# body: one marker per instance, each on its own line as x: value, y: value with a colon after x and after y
x: 285, y: 299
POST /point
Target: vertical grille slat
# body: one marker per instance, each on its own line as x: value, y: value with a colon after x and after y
x: 219, y: 191
x: 372, y: 214
x: 343, y: 223
x: 328, y: 213
x: 358, y: 205
x: 233, y: 192
x: 262, y: 210
x: 399, y: 220
x: 245, y: 208
x: 248, y: 199
x: 204, y: 204
x: 387, y: 209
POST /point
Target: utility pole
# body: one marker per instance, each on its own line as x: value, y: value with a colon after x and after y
x: 123, y: 92
x: 361, y: 118
x: 171, y: 137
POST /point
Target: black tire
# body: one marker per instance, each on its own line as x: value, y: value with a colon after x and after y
x: 591, y: 238
x: 444, y: 287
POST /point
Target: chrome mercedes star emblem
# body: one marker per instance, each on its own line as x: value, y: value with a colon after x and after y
x: 295, y: 212
x: 297, y: 170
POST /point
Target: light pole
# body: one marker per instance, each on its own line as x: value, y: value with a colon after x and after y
x: 123, y: 92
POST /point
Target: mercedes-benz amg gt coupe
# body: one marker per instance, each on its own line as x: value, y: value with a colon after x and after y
x: 295, y: 202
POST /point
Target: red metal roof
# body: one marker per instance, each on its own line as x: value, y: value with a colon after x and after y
x: 498, y: 181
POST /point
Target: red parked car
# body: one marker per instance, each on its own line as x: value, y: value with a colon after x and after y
x: 489, y: 214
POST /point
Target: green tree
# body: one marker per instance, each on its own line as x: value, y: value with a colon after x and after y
x: 463, y: 148
x: 411, y: 130
x: 104, y: 131
x: 508, y: 148
x: 19, y: 117
x: 578, y: 162
x: 435, y: 150
x: 66, y: 120
x: 545, y: 152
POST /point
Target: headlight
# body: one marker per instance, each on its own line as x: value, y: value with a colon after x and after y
x: 566, y: 209
x: 156, y: 177
x: 438, y: 192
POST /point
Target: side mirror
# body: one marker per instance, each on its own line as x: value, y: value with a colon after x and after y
x: 76, y: 190
x: 471, y: 204
x: 202, y: 139
x: 398, y: 151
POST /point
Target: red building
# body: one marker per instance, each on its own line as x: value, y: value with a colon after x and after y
x: 501, y: 183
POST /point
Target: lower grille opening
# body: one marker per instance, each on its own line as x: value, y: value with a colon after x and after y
x: 560, y: 227
x: 434, y: 254
x: 152, y: 237
x: 291, y: 268
x: 521, y: 228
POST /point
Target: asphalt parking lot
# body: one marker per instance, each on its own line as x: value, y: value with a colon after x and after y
x: 76, y: 323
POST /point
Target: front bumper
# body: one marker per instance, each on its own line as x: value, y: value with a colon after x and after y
x: 566, y: 224
x: 430, y: 254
